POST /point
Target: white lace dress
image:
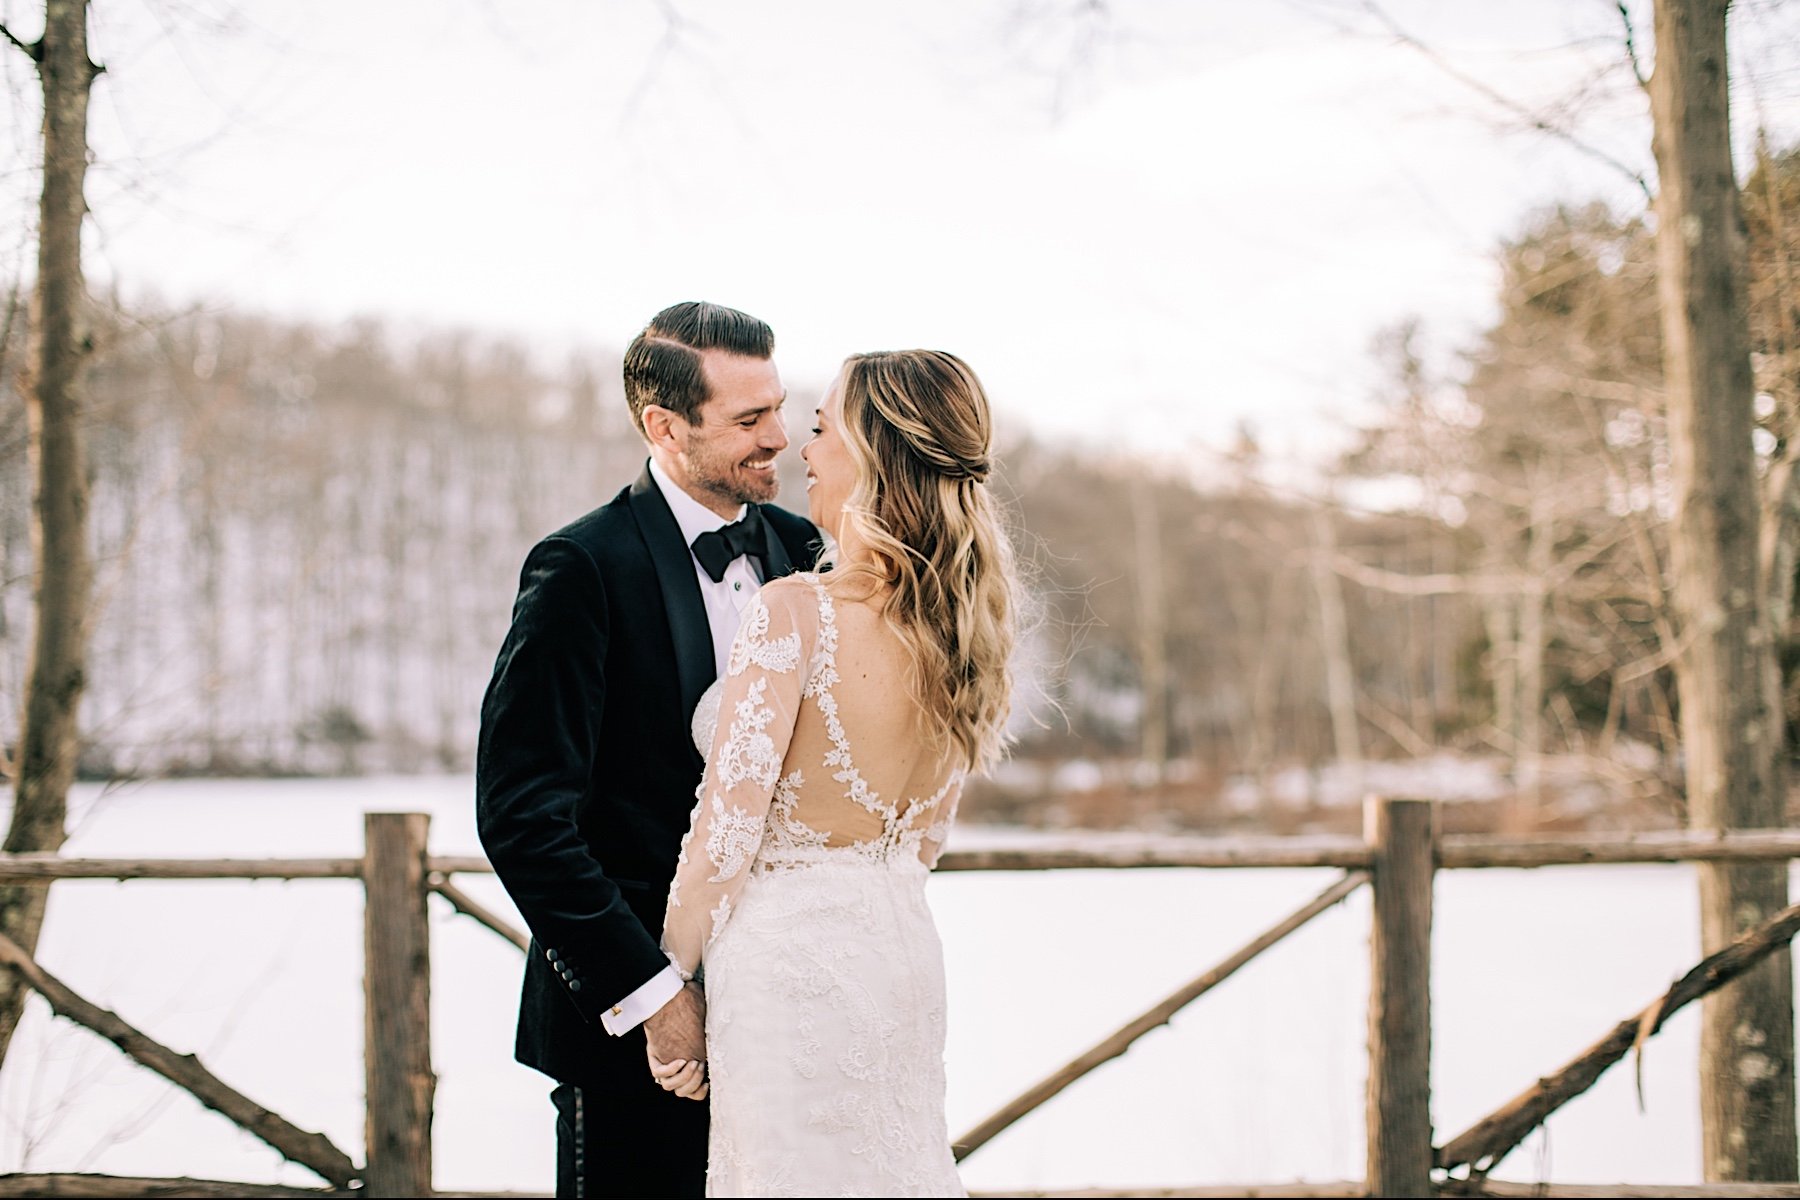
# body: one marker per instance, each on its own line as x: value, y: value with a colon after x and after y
x: 800, y: 899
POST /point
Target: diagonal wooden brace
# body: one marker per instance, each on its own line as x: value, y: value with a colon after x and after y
x: 1490, y: 1139
x: 314, y: 1151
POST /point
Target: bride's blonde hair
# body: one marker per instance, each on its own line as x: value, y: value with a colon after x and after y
x: 919, y: 432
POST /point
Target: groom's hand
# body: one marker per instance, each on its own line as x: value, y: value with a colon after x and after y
x: 676, y: 1032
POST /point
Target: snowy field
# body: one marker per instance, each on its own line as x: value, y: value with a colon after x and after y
x: 1259, y: 1081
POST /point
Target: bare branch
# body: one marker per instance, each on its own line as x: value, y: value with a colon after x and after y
x: 674, y: 38
x: 84, y: 1184
x: 1780, y: 550
x: 463, y: 903
x: 34, y: 51
x: 1637, y: 68
x: 1537, y: 121
x: 313, y: 1151
x: 1484, y: 1144
x: 1080, y: 31
x: 1091, y: 19
x: 1121, y: 1040
x: 1395, y: 726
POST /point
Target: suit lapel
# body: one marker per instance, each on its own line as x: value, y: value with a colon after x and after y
x: 674, y: 562
x: 775, y: 554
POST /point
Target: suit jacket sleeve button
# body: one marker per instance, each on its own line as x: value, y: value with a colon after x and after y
x: 575, y: 985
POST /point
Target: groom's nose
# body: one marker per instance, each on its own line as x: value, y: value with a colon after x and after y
x: 774, y: 433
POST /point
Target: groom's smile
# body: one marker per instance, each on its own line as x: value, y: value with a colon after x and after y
x: 729, y: 452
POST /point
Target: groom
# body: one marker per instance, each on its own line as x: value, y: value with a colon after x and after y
x: 586, y: 771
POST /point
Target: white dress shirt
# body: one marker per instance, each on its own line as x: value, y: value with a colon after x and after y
x: 725, y: 602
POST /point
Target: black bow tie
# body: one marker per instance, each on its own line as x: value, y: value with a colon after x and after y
x: 717, y: 548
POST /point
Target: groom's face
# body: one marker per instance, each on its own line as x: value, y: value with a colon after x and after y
x: 729, y: 449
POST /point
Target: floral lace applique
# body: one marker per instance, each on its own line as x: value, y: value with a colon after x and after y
x: 749, y: 752
x: 720, y: 915
x: 842, y: 975
x: 681, y: 861
x: 753, y: 645
x: 732, y: 841
x: 786, y: 833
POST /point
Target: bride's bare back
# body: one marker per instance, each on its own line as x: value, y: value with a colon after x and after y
x: 877, y: 713
x: 820, y: 752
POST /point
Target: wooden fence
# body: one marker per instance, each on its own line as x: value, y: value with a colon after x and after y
x: 1397, y: 859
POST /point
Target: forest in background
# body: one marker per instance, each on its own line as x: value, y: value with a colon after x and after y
x: 307, y: 542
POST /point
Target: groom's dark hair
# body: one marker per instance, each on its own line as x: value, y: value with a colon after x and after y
x: 662, y: 364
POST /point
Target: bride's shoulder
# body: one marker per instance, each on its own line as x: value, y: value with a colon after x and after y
x: 812, y: 598
x: 801, y: 585
x: 797, y: 597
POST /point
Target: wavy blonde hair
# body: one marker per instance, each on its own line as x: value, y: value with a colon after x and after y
x: 919, y: 432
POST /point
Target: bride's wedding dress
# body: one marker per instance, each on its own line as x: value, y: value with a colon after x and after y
x: 799, y: 898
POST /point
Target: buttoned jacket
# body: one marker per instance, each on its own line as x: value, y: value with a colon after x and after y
x: 585, y: 770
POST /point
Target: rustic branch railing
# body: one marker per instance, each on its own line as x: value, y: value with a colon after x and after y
x: 311, y: 1150
x: 1398, y: 857
x: 1455, y: 852
x: 397, y: 1006
x: 469, y: 907
x: 1159, y: 1014
x: 1492, y: 1138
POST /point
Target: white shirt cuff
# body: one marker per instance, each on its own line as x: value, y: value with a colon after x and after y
x: 642, y: 1004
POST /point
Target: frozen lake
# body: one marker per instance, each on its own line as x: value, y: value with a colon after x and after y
x: 1259, y: 1081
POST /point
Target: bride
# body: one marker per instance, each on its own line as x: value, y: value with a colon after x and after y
x: 854, y: 706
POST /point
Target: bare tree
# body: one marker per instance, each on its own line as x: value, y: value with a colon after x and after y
x: 1334, y: 643
x: 1153, y: 669
x: 53, y: 388
x: 1730, y: 707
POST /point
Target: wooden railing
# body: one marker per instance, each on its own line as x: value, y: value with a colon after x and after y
x: 1397, y: 859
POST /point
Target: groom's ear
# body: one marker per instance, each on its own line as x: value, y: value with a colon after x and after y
x: 660, y: 426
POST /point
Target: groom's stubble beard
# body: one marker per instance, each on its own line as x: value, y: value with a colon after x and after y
x: 720, y: 474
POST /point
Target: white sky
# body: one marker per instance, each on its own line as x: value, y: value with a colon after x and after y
x: 1206, y: 224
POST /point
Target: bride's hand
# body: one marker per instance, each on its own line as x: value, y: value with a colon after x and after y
x: 686, y: 1079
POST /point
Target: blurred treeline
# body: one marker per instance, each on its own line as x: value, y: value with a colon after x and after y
x: 1484, y: 576
x: 308, y: 542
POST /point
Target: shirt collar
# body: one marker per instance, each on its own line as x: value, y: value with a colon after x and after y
x: 693, y: 517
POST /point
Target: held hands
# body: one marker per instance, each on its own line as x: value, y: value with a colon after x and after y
x: 675, y: 1040
x: 686, y: 1079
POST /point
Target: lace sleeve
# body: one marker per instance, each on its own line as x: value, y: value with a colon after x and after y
x: 759, y: 702
x: 931, y: 846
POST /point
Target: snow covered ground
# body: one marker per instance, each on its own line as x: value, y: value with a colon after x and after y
x: 1259, y: 1081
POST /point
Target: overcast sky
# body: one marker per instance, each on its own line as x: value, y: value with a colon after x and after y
x: 1140, y: 232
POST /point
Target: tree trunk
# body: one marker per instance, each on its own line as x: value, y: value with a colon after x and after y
x: 53, y: 389
x: 1529, y: 689
x: 1152, y: 632
x: 1730, y: 725
x: 1334, y: 646
x: 1500, y: 616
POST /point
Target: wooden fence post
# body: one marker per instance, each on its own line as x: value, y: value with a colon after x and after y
x: 1402, y: 836
x: 397, y: 1005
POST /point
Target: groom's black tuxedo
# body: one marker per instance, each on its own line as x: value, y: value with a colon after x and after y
x: 585, y: 778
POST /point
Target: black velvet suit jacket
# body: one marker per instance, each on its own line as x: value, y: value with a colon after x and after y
x: 585, y: 773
